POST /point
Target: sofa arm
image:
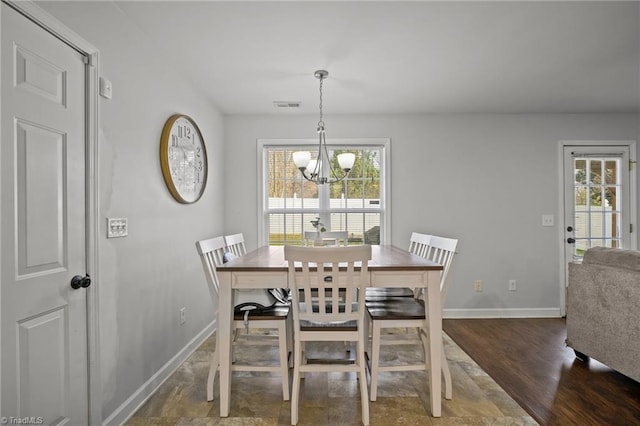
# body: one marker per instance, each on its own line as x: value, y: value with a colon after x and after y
x: 603, y: 315
x: 618, y: 258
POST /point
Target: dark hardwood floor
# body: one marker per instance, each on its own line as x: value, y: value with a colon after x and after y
x: 529, y: 359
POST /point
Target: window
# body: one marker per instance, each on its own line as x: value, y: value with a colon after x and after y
x: 598, y: 208
x: 356, y: 205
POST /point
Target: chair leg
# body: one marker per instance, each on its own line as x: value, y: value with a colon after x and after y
x: 375, y: 359
x: 234, y: 338
x: 303, y: 357
x: 215, y: 361
x: 295, y: 393
x: 446, y: 373
x: 448, y: 391
x: 289, y: 322
x: 284, y: 358
x: 367, y: 331
x: 362, y: 372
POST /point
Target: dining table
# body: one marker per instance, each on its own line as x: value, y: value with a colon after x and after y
x: 390, y: 266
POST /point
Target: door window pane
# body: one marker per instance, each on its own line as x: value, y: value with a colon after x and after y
x: 596, y: 171
x: 581, y: 171
x: 611, y: 176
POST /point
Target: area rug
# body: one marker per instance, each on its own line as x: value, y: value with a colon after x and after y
x: 333, y: 398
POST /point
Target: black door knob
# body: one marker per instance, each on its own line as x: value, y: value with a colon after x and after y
x: 80, y: 281
x: 569, y: 228
x: 571, y: 240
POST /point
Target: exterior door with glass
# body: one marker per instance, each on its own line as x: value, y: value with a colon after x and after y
x: 597, y: 199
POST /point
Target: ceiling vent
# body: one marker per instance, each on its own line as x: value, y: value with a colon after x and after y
x: 286, y: 104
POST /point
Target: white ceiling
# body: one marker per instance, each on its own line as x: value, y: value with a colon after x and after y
x: 403, y: 57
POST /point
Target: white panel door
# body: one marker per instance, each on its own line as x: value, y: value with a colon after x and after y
x: 42, y: 184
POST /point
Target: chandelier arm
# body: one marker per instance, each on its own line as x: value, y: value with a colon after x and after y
x: 304, y: 175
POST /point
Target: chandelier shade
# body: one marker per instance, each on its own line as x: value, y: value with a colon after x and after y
x: 314, y: 169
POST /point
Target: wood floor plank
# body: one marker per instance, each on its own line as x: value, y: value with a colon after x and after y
x: 529, y: 359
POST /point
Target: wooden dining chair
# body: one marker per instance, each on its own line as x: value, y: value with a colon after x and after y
x: 410, y: 313
x: 211, y: 253
x: 328, y: 275
x: 419, y: 245
x: 341, y: 238
x: 235, y: 244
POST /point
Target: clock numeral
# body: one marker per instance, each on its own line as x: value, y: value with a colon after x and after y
x: 174, y: 140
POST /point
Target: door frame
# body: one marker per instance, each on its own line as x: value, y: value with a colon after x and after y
x: 633, y: 206
x: 49, y: 23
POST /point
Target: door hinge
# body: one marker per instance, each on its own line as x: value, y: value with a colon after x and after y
x: 631, y: 164
x: 631, y: 228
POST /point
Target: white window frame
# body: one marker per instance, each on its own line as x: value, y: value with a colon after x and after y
x: 356, y: 143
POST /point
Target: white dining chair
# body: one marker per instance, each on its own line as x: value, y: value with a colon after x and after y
x: 410, y: 314
x: 329, y: 276
x: 340, y: 238
x: 235, y: 244
x: 418, y: 245
x: 211, y: 253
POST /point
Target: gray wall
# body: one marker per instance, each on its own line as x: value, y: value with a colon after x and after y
x: 484, y: 179
x: 146, y: 278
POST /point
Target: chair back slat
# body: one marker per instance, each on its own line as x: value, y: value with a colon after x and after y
x: 235, y: 244
x: 419, y: 244
x: 335, y: 277
x: 441, y: 251
x: 211, y: 252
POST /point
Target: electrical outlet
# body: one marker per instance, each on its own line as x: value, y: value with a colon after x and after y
x: 477, y: 285
x: 512, y: 285
x: 183, y: 315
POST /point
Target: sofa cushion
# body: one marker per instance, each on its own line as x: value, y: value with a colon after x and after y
x: 627, y: 259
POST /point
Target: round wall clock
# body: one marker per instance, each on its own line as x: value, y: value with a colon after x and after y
x: 183, y: 158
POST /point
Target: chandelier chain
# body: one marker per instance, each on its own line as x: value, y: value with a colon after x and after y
x: 321, y: 123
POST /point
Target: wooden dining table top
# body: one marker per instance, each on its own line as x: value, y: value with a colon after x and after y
x: 384, y: 258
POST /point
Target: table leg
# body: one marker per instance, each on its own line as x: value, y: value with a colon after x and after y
x: 435, y: 341
x: 225, y: 312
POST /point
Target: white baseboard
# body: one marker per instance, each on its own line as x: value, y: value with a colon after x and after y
x: 503, y: 313
x: 139, y: 397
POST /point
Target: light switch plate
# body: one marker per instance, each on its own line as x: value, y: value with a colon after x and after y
x: 547, y: 220
x: 117, y: 227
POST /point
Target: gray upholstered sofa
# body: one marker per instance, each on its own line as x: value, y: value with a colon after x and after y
x: 603, y: 308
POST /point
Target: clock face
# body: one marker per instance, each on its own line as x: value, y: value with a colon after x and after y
x: 183, y: 158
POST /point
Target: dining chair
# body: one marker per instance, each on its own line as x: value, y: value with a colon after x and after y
x: 419, y: 245
x: 336, y: 278
x: 235, y: 244
x: 341, y: 238
x: 211, y: 253
x: 410, y: 313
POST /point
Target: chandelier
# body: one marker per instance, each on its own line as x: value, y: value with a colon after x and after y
x: 314, y: 170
